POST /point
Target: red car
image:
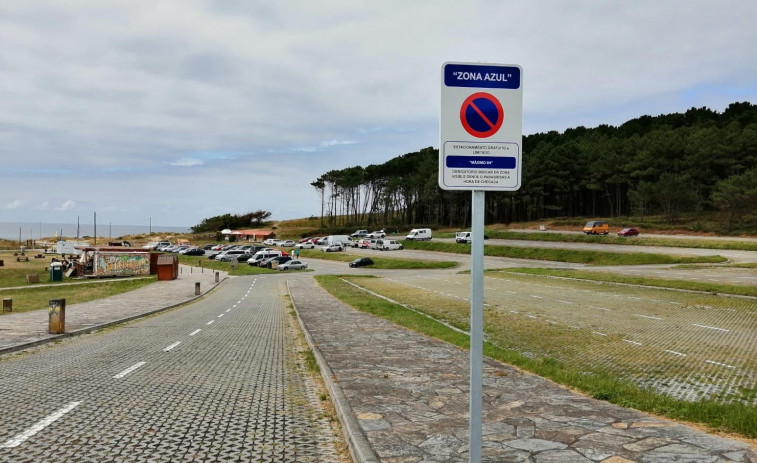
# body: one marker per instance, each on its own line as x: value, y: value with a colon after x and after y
x: 629, y: 232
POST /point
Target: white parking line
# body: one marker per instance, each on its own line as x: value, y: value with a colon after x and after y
x: 536, y: 297
x: 195, y: 332
x: 129, y: 370
x: 600, y: 308
x: 647, y: 316
x: 564, y: 302
x: 712, y: 328
x: 635, y: 343
x: 719, y: 364
x: 171, y: 346
x: 675, y: 353
x: 39, y: 426
x: 600, y: 334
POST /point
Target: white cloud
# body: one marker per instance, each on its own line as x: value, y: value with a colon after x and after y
x: 187, y: 162
x: 66, y: 206
x: 107, y: 102
x: 15, y: 204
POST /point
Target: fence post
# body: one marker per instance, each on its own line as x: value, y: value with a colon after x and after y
x: 56, y: 316
x: 197, y: 288
x: 7, y: 305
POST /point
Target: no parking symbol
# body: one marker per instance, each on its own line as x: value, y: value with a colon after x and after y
x: 482, y: 115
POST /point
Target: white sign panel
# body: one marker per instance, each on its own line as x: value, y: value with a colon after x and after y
x: 481, y: 130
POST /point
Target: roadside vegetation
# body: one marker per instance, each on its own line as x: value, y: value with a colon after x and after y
x: 600, y: 383
x: 588, y: 257
x: 380, y: 261
x: 37, y: 298
x: 647, y: 240
x: 714, y: 288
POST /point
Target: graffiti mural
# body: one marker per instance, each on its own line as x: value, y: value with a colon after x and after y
x: 121, y: 264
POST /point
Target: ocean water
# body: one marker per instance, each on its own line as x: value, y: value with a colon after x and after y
x: 10, y: 230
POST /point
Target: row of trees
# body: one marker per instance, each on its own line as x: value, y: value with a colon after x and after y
x: 669, y: 164
x: 231, y: 221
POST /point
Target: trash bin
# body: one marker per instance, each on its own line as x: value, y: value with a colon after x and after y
x: 56, y: 271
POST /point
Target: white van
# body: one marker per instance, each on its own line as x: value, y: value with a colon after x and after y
x: 388, y: 245
x: 344, y: 240
x: 419, y: 234
x: 262, y: 255
x: 463, y: 237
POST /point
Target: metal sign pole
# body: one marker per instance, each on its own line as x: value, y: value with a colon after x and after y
x: 476, y: 326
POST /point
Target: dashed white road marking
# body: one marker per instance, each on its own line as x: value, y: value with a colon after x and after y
x: 712, y: 328
x: 171, y: 346
x: 221, y: 315
x: 129, y: 370
x: 210, y: 322
x: 39, y: 426
x: 228, y: 310
x: 195, y: 331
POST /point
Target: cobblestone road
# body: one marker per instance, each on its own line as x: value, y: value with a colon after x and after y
x: 219, y: 380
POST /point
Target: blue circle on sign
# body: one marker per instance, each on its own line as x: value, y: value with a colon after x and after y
x: 481, y: 115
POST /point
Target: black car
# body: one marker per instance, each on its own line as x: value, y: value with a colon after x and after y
x: 361, y: 262
x: 194, y: 252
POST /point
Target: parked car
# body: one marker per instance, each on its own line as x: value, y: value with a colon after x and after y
x: 270, y: 242
x: 376, y: 234
x: 359, y: 234
x: 193, y: 252
x: 333, y: 248
x: 262, y: 255
x: 388, y: 245
x: 306, y: 240
x: 268, y: 263
x: 234, y: 254
x: 305, y: 245
x: 321, y: 241
x: 293, y: 265
x: 595, y: 227
x: 361, y: 262
x: 287, y: 244
x: 630, y: 231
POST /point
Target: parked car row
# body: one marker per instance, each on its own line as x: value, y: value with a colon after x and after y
x: 379, y: 244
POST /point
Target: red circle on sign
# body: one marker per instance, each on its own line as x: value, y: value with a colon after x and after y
x: 488, y: 108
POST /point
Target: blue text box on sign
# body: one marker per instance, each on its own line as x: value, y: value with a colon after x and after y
x: 465, y: 75
x: 480, y: 162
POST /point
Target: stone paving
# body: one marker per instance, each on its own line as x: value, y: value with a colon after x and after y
x: 217, y: 380
x: 402, y: 396
x: 24, y: 328
x: 408, y: 396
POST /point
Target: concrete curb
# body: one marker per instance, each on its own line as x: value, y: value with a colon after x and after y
x: 90, y: 329
x: 360, y: 449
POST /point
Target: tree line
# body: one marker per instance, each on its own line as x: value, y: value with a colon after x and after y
x: 231, y: 221
x: 670, y: 164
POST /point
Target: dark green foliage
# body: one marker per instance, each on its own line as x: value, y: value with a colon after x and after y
x: 667, y: 164
x: 231, y: 221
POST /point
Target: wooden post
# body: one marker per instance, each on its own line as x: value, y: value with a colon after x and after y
x: 56, y: 316
x: 7, y: 305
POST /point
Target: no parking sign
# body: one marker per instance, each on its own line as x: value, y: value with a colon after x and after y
x: 481, y: 134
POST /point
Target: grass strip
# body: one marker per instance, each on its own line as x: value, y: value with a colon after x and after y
x: 609, y: 277
x: 602, y: 385
x: 614, y: 239
x: 381, y: 262
x: 38, y: 298
x: 589, y: 257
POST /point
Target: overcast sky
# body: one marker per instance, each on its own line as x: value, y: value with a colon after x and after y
x: 178, y: 110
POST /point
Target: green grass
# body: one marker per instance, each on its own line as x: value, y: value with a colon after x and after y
x: 381, y: 260
x: 589, y: 257
x: 603, y: 385
x: 614, y: 239
x: 36, y: 298
x: 741, y: 290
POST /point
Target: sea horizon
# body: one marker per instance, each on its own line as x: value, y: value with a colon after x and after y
x: 34, y: 231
